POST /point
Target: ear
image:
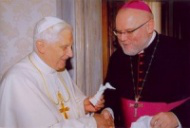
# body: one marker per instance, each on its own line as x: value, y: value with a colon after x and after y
x: 41, y: 46
x: 150, y: 27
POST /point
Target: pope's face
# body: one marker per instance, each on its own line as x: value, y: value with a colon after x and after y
x: 57, y: 53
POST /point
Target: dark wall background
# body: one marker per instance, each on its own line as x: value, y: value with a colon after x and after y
x: 176, y: 18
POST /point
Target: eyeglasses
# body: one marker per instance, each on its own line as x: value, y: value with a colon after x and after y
x: 128, y: 32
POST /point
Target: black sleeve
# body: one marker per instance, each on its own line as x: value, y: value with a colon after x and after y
x: 112, y: 99
x: 183, y: 114
x: 183, y: 111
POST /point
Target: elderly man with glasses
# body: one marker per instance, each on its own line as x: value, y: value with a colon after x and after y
x: 150, y: 72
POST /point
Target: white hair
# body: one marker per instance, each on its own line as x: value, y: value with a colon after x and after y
x: 47, y: 29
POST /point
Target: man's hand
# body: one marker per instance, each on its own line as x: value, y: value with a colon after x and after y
x: 104, y: 120
x: 91, y: 108
x: 164, y: 120
x: 108, y: 117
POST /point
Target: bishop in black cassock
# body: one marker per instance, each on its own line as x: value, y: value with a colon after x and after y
x: 167, y: 85
x: 151, y: 72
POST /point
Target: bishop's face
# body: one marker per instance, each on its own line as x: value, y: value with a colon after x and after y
x: 132, y: 30
x: 58, y: 53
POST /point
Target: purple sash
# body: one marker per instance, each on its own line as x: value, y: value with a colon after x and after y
x: 149, y: 108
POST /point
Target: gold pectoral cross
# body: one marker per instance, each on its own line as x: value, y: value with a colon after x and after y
x: 136, y: 105
x: 63, y: 109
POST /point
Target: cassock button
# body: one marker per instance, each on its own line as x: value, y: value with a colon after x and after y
x: 140, y: 88
x: 141, y: 55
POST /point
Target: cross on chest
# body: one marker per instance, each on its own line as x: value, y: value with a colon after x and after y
x: 136, y: 105
x: 64, y: 110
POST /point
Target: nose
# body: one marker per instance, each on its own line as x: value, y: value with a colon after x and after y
x: 70, y: 52
x: 122, y: 37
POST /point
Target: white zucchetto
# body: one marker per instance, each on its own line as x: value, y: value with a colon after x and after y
x: 48, y: 22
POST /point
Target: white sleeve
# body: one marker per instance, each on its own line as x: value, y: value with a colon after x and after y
x: 84, y: 122
x: 79, y: 98
x: 110, y: 111
x: 179, y: 126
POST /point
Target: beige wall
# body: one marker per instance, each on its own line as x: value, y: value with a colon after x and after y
x: 17, y: 20
x: 156, y: 10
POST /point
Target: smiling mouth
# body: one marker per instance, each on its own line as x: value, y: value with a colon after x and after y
x: 126, y: 45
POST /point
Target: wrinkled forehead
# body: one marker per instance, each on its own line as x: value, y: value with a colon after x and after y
x: 66, y: 34
x: 130, y: 12
x: 131, y: 15
x: 130, y: 18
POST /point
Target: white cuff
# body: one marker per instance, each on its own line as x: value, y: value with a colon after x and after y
x: 179, y: 126
x: 110, y: 111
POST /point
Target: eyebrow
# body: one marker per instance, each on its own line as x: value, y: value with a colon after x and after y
x: 138, y: 26
x: 134, y: 29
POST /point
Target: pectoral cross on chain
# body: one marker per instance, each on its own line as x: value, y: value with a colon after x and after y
x: 136, y: 105
x: 63, y: 109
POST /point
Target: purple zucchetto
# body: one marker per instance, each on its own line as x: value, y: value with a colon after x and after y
x: 137, y: 4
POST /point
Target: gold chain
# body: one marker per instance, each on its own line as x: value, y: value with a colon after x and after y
x: 64, y: 84
x: 45, y: 85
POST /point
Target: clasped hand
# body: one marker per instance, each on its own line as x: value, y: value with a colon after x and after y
x: 164, y: 120
x: 103, y: 120
x: 91, y: 108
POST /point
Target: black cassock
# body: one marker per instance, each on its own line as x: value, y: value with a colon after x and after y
x: 168, y: 79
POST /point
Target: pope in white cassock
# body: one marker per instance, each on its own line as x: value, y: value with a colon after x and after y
x: 38, y: 91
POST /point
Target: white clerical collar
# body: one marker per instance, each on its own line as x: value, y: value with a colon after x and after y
x: 151, y: 40
x: 41, y: 64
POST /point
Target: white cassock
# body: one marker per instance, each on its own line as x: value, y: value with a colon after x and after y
x: 28, y: 97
